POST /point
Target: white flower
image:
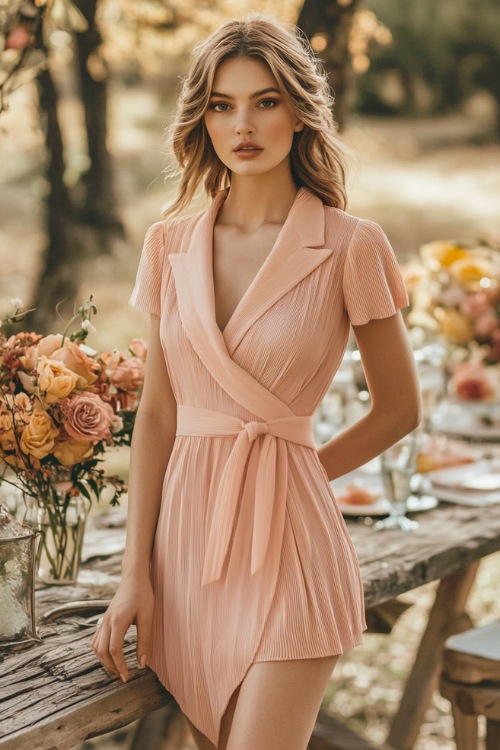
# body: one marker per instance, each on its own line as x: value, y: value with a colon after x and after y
x: 87, y: 325
x: 16, y: 302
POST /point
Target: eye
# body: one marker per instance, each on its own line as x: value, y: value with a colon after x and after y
x: 268, y: 103
x: 219, y: 107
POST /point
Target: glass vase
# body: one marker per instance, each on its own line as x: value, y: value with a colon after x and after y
x: 60, y: 521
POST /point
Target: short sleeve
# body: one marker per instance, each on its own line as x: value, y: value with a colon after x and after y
x: 373, y: 285
x: 146, y: 295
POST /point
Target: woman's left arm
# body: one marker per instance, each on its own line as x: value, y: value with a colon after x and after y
x: 395, y: 397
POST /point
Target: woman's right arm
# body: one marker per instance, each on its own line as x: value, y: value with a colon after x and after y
x: 152, y: 441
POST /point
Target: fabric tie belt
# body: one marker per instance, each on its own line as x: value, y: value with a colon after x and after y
x: 270, y: 482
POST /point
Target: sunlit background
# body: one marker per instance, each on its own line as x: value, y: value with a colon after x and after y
x: 417, y: 89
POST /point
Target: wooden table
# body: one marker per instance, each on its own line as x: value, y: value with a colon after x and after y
x: 55, y: 694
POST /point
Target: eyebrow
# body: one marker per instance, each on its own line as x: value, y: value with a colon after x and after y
x: 252, y: 96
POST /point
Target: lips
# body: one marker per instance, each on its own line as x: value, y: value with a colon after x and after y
x: 246, y: 146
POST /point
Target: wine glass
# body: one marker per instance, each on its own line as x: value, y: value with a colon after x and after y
x: 398, y: 465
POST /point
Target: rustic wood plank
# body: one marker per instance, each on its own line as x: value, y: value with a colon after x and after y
x: 68, y: 694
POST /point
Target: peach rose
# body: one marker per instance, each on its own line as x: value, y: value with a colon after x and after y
x: 55, y: 381
x: 75, y: 359
x: 39, y: 435
x: 7, y: 435
x: 45, y: 347
x: 87, y: 417
x: 454, y: 325
x: 21, y: 406
x: 69, y: 452
x: 139, y: 348
x: 128, y: 375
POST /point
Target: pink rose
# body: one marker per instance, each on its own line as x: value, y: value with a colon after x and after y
x: 128, y: 375
x: 87, y: 417
x: 485, y: 324
x: 473, y: 305
x: 18, y: 38
x: 472, y: 381
x: 139, y: 348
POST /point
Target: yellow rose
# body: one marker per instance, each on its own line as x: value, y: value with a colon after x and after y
x: 39, y: 435
x: 7, y: 436
x: 455, y: 326
x: 442, y: 253
x: 55, y: 380
x: 72, y: 451
x: 471, y: 270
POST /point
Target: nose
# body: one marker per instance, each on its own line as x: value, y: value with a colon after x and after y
x: 244, y: 123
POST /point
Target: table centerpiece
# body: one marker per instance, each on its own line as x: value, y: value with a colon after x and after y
x: 62, y: 407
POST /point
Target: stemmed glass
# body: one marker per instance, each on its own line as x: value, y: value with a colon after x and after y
x: 398, y: 465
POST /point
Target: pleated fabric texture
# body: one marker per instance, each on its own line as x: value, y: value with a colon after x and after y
x: 252, y: 560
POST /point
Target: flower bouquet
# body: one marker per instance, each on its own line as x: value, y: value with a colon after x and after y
x: 455, y: 296
x: 62, y: 406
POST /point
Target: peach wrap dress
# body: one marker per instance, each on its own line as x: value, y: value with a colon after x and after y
x: 252, y: 560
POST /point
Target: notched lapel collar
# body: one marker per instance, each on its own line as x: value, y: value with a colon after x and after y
x: 298, y: 251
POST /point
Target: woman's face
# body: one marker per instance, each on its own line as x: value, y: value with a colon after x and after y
x: 250, y: 123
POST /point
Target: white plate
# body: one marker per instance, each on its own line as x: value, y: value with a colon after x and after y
x: 463, y: 419
x: 471, y: 484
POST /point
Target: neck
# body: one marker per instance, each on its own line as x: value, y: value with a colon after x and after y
x: 252, y: 202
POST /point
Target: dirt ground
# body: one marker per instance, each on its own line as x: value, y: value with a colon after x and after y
x: 421, y: 180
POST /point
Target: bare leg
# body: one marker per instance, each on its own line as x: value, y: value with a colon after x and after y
x: 278, y: 704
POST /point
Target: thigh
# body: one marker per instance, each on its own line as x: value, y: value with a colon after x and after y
x: 278, y: 704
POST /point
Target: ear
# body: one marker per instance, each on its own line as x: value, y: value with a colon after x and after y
x: 298, y: 127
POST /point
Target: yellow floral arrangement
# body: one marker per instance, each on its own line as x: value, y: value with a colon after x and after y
x: 455, y: 295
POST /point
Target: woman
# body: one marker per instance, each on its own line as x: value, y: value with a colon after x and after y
x: 238, y: 569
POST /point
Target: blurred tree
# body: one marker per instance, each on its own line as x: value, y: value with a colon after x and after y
x: 440, y: 55
x: 84, y: 220
x: 99, y: 207
x: 328, y: 27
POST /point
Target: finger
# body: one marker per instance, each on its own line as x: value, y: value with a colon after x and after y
x: 100, y: 652
x: 104, y: 653
x: 144, y: 625
x: 115, y: 648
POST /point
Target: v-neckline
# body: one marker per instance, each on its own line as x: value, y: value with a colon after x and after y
x: 248, y: 291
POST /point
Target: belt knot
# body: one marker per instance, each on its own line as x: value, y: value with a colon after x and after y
x: 254, y: 429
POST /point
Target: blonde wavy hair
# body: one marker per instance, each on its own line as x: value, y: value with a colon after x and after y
x: 318, y: 156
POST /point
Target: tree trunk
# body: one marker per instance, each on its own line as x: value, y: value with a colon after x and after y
x: 332, y: 20
x: 57, y: 279
x: 99, y: 201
